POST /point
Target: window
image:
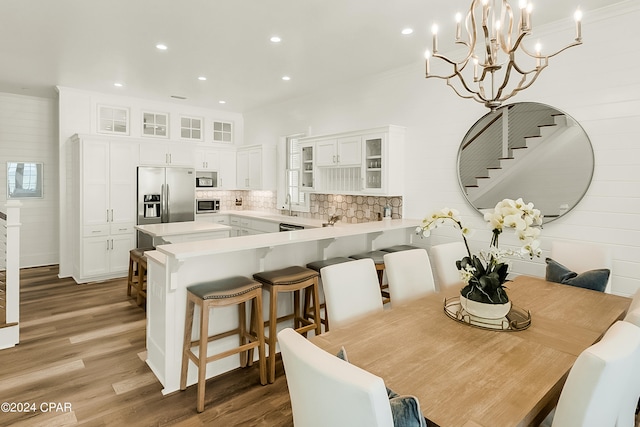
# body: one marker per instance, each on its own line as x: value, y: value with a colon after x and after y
x: 24, y: 180
x: 293, y: 172
x: 113, y: 120
x: 222, y: 132
x: 155, y: 124
x: 191, y: 128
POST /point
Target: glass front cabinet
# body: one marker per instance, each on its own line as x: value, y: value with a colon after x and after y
x: 376, y: 168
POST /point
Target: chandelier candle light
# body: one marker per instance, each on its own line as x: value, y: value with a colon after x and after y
x: 489, y: 31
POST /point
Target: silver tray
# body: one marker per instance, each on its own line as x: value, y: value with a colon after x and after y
x: 517, y: 319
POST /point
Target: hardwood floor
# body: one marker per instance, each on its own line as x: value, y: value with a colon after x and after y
x: 82, y: 348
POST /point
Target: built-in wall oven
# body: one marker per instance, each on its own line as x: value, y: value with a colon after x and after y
x: 207, y: 205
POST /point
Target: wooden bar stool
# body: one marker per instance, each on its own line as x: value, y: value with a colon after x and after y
x: 226, y: 292
x: 291, y: 279
x: 317, y: 266
x: 137, y: 277
x: 378, y: 260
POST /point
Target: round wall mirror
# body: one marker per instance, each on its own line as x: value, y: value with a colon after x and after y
x: 530, y: 151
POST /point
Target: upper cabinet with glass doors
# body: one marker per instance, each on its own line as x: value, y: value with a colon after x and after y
x: 360, y: 162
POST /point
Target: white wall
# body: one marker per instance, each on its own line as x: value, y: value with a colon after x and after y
x: 596, y: 83
x: 78, y: 114
x: 28, y: 132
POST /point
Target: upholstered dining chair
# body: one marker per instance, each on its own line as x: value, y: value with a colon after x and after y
x: 327, y: 391
x: 443, y: 258
x: 351, y: 290
x: 631, y: 402
x: 581, y: 257
x: 409, y: 275
x: 600, y: 380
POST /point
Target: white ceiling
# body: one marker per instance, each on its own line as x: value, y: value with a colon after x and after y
x: 90, y: 44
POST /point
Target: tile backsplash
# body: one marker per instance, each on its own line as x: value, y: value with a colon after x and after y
x: 349, y: 208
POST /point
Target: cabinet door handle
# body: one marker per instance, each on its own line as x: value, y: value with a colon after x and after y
x: 170, y: 159
x: 334, y: 159
x: 107, y: 215
x: 338, y: 158
x: 107, y: 244
x: 111, y: 215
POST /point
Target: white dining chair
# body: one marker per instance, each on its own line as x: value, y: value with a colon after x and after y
x: 409, y: 275
x: 327, y: 391
x: 444, y: 257
x: 351, y: 290
x: 630, y: 403
x: 599, y: 380
x: 581, y: 257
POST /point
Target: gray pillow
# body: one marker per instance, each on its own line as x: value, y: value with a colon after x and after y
x: 593, y: 279
x: 405, y: 410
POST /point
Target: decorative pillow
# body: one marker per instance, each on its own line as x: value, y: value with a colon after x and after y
x: 405, y: 410
x: 593, y: 279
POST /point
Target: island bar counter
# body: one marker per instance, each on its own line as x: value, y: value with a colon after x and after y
x: 172, y: 268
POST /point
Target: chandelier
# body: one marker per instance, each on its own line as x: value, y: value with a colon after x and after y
x: 495, y: 53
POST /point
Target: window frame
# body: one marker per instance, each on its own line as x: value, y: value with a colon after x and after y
x: 191, y: 128
x: 155, y: 124
x: 101, y: 109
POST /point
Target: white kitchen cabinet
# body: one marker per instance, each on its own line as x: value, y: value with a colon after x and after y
x: 214, y: 218
x: 243, y: 226
x: 256, y: 167
x: 104, y: 199
x: 167, y: 153
x: 227, y: 170
x: 368, y: 161
x: 207, y: 159
x: 342, y: 151
x: 307, y: 168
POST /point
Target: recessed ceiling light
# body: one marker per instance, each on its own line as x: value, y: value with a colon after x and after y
x: 161, y: 46
x: 222, y: 102
x: 407, y: 31
x: 275, y: 39
x: 286, y: 78
x: 202, y: 78
x: 117, y: 84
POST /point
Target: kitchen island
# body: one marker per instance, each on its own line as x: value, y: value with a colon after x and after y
x: 172, y: 268
x: 176, y: 232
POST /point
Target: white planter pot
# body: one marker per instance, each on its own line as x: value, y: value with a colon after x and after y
x: 486, y: 311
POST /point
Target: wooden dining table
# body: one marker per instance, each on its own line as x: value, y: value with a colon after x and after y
x: 465, y: 376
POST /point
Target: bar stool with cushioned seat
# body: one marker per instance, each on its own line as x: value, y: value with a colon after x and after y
x: 291, y: 279
x: 399, y: 248
x: 137, y: 277
x: 317, y: 266
x: 221, y: 293
x: 378, y: 260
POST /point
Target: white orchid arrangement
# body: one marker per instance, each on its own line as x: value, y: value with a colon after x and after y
x: 485, y: 281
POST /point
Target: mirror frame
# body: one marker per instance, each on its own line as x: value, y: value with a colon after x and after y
x: 486, y: 119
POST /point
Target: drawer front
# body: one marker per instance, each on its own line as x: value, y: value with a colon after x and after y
x: 95, y: 230
x: 122, y: 228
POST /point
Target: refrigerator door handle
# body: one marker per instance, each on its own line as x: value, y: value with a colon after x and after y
x: 163, y: 204
x: 166, y: 203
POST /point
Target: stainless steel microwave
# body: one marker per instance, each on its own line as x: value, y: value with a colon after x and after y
x: 205, y: 182
x: 207, y: 205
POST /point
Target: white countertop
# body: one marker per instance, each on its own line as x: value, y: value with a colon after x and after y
x: 209, y: 247
x: 181, y: 228
x: 267, y: 216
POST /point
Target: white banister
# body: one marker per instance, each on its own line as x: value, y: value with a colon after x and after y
x: 10, y: 328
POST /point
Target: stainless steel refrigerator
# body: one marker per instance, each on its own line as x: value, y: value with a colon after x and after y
x: 164, y: 195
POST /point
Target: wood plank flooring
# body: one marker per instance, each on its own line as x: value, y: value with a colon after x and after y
x: 82, y: 348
